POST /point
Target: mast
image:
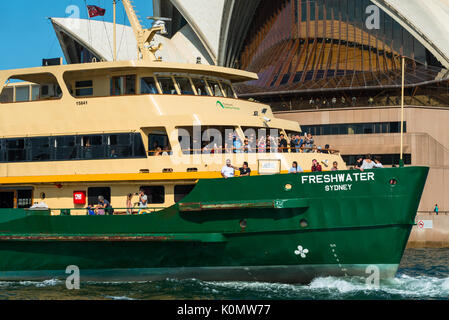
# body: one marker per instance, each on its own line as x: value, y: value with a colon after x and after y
x: 401, y: 160
x: 143, y: 36
x: 114, y: 2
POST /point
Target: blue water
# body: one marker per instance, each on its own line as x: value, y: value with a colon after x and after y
x: 423, y: 274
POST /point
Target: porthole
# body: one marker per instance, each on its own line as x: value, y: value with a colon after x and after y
x: 303, y: 223
x: 243, y: 223
x: 393, y: 182
x: 288, y: 187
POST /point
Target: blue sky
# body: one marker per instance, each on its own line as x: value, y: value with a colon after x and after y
x: 28, y: 36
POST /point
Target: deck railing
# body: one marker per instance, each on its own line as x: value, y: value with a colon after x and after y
x: 96, y: 211
x: 265, y: 149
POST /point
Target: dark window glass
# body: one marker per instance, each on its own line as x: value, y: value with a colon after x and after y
x: 200, y: 86
x: 139, y: 148
x: 182, y: 190
x: 227, y: 89
x: 94, y: 192
x: 92, y: 147
x: 15, y: 150
x: 83, y: 88
x: 119, y: 146
x: 167, y: 85
x: 155, y: 194
x: 215, y: 87
x: 24, y: 198
x: 184, y: 85
x: 148, y: 86
x: 40, y: 149
x: 85, y: 92
x: 65, y: 148
x: 84, y: 84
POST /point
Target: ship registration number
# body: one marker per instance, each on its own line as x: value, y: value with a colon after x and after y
x: 338, y: 181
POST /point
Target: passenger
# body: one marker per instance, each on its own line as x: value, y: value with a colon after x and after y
x: 316, y: 166
x: 158, y: 151
x: 314, y: 149
x: 113, y: 154
x: 129, y: 204
x: 246, y: 146
x: 103, y: 206
x: 334, y: 166
x: 326, y: 149
x: 283, y: 146
x: 308, y: 143
x: 245, y: 171
x: 358, y: 162
x: 143, y: 201
x: 261, y: 145
x: 295, y: 168
x: 237, y: 143
x: 436, y: 209
x: 166, y: 151
x: 91, y: 210
x: 367, y: 163
x: 377, y: 163
x: 228, y: 170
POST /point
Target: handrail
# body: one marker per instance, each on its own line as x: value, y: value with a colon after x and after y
x: 117, y: 211
x: 221, y: 150
x: 432, y: 213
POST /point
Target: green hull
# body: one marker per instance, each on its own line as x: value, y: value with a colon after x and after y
x: 341, y: 231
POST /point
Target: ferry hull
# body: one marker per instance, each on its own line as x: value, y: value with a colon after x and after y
x: 280, y: 228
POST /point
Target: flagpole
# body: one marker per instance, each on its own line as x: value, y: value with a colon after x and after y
x: 401, y: 159
x: 114, y: 2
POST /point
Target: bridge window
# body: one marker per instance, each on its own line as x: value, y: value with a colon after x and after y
x: 84, y: 88
x: 201, y: 87
x: 7, y: 95
x: 227, y: 88
x: 184, y: 85
x: 148, y: 86
x: 167, y: 85
x: 32, y: 87
x: 122, y: 85
x: 215, y: 87
x: 22, y: 93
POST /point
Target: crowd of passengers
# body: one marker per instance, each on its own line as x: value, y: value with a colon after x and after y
x: 104, y: 206
x: 228, y: 170
x: 250, y: 144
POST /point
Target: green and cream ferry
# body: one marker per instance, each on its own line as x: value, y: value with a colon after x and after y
x: 72, y: 133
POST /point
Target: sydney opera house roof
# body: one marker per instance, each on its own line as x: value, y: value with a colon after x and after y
x: 294, y: 45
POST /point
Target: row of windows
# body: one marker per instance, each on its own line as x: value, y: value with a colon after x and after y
x: 126, y: 85
x: 155, y: 194
x: 75, y: 147
x: 354, y: 128
x: 385, y: 159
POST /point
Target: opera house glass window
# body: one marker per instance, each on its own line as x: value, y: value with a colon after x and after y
x: 306, y: 45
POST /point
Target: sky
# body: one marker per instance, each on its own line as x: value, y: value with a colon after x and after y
x: 28, y: 36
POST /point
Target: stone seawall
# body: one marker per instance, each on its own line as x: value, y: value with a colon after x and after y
x: 431, y: 231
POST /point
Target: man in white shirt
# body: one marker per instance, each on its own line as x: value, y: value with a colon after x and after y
x: 295, y: 168
x: 228, y: 170
x: 367, y: 163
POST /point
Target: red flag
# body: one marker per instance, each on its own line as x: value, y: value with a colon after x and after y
x: 95, y: 11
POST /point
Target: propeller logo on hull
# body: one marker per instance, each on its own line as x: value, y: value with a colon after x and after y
x: 301, y: 252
